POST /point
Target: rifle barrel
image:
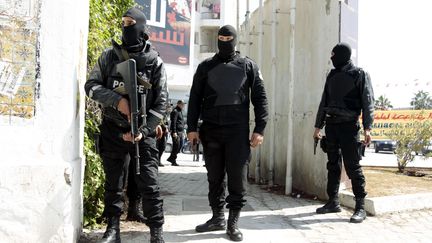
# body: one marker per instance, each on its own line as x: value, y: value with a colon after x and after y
x: 137, y: 159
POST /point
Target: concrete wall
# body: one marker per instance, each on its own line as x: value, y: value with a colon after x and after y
x: 41, y: 164
x: 316, y: 32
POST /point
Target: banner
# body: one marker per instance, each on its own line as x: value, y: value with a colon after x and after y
x: 169, y: 23
x: 386, y: 121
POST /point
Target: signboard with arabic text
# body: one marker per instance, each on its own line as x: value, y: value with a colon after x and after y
x: 386, y: 121
x: 169, y: 28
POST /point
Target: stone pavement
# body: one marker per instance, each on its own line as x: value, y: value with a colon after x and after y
x: 268, y: 218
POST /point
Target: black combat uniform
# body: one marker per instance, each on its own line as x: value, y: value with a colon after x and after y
x: 347, y: 94
x: 134, y: 212
x: 104, y: 85
x: 177, y: 126
x: 221, y: 92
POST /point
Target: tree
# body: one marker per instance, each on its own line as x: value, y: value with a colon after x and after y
x: 411, y: 138
x: 421, y: 101
x: 382, y: 103
x: 104, y: 24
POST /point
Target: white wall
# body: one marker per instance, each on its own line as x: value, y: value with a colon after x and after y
x: 41, y: 165
x: 316, y: 32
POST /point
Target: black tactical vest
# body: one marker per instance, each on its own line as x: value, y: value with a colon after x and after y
x: 226, y: 94
x: 344, y: 92
x: 144, y: 63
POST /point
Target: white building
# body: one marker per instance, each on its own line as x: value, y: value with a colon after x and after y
x: 209, y: 16
x: 291, y: 41
x: 43, y: 64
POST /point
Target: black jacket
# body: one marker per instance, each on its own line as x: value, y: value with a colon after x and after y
x: 103, y: 79
x: 203, y: 100
x: 347, y: 94
x: 177, y: 121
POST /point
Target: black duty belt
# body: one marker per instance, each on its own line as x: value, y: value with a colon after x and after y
x: 333, y: 119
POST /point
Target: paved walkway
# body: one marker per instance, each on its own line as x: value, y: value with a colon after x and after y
x: 268, y: 218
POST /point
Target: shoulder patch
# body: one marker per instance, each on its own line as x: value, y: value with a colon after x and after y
x: 250, y: 59
x: 260, y: 75
x: 159, y: 61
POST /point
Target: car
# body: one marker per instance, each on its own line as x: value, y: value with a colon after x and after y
x: 385, y: 145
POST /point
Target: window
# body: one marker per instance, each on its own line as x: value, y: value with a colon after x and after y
x: 196, y: 41
x: 208, y: 41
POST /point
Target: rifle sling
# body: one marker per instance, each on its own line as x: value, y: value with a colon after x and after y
x: 144, y: 83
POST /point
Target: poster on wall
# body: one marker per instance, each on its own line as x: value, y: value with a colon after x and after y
x: 19, y: 64
x: 10, y: 80
x: 169, y: 28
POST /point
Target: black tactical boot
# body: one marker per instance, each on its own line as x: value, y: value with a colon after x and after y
x: 172, y: 161
x: 112, y: 233
x: 135, y: 212
x: 232, y: 230
x: 359, y: 213
x: 332, y: 206
x: 156, y: 235
x: 217, y: 222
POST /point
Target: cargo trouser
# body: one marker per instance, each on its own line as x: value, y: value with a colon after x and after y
x: 226, y: 151
x: 343, y: 145
x: 115, y: 152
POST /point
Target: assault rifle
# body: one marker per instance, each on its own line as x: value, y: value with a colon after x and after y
x: 127, y: 70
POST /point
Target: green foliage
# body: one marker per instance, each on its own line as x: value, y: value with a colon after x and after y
x: 411, y: 138
x: 93, y: 175
x: 382, y: 103
x: 104, y: 24
x: 421, y: 101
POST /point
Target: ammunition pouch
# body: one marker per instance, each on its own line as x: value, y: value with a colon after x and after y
x: 115, y: 117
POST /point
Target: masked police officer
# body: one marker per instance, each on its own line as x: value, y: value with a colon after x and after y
x: 347, y: 94
x: 220, y: 94
x: 116, y: 138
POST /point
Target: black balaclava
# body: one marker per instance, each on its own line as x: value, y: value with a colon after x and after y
x: 341, y: 55
x: 134, y: 36
x: 227, y: 48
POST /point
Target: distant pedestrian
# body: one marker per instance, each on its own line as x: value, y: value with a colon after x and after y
x: 177, y: 131
x: 162, y: 140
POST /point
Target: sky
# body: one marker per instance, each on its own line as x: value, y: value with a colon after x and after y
x: 395, y: 47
